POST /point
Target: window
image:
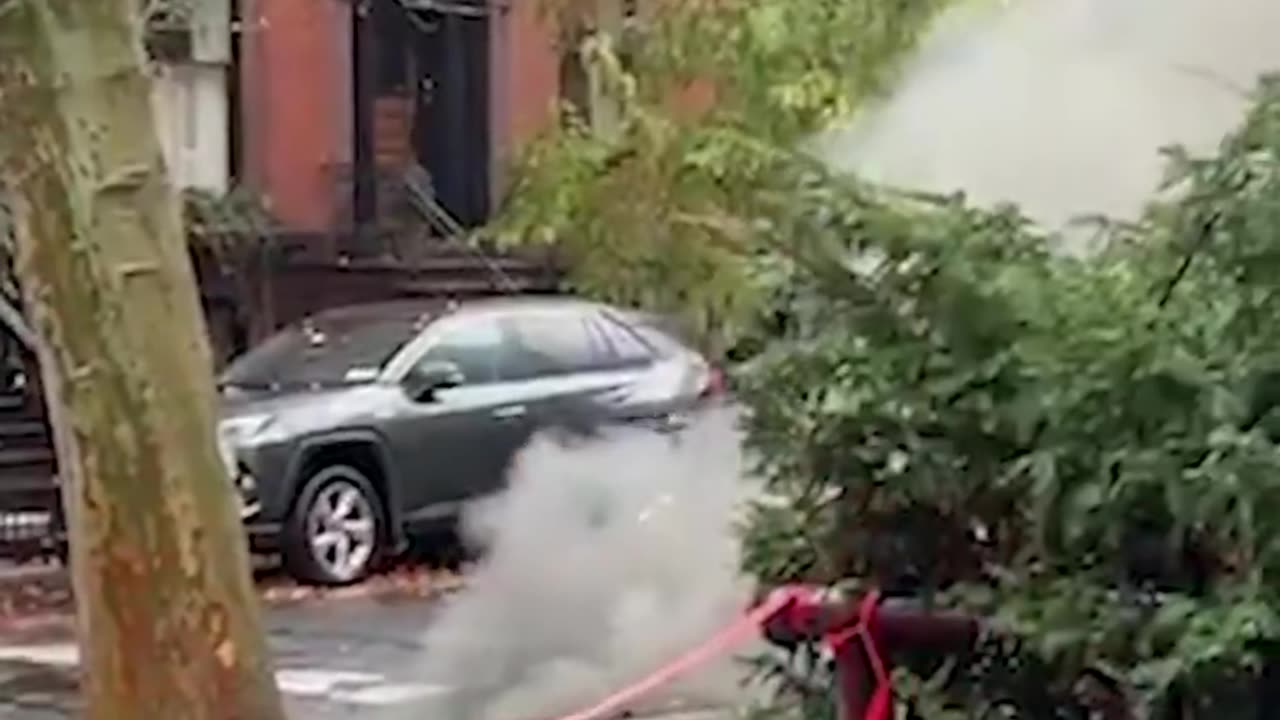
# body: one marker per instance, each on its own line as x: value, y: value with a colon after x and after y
x: 539, y: 344
x: 619, y: 345
x: 575, y: 85
x: 330, y: 349
x: 473, y: 346
x: 546, y: 343
x: 662, y: 336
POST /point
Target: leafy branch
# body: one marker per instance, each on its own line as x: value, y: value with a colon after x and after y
x: 639, y: 212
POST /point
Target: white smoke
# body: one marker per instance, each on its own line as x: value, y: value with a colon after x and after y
x: 605, y: 560
x: 1061, y: 106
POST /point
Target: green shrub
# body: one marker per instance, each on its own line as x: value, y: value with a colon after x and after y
x: 1080, y: 448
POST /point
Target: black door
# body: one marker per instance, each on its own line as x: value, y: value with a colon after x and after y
x: 451, y: 128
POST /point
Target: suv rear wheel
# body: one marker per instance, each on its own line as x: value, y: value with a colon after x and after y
x: 335, y: 532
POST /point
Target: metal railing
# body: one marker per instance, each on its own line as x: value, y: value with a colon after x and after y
x: 422, y: 198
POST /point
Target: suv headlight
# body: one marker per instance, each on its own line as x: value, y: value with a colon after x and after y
x: 228, y: 453
x: 247, y: 491
x: 237, y: 431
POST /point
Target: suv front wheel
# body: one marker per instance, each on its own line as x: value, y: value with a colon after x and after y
x: 334, y: 535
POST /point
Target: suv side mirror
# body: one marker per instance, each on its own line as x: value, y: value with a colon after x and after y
x: 425, y: 379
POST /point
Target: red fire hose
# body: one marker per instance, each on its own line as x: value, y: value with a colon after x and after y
x: 799, y: 613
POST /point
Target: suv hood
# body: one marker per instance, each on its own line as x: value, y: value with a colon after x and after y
x: 266, y: 416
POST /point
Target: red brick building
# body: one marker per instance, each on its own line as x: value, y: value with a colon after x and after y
x: 337, y: 97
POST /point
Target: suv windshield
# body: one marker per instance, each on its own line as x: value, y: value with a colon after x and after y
x: 331, y: 349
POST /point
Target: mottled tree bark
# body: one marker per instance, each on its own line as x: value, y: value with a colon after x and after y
x: 169, y: 621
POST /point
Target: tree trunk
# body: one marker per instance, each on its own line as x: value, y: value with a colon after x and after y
x: 169, y: 620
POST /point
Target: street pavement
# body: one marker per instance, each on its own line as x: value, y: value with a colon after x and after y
x: 336, y: 660
x: 342, y: 659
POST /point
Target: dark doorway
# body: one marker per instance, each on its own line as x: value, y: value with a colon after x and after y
x: 451, y: 127
x: 235, y: 98
x: 423, y: 76
x: 364, y: 75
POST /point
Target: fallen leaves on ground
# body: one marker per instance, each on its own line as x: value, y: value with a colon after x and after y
x: 405, y: 581
x: 41, y: 594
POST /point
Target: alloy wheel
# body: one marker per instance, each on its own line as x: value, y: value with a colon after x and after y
x: 341, y: 531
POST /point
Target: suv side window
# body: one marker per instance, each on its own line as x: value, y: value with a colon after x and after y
x: 546, y: 343
x: 474, y: 345
x: 620, y: 345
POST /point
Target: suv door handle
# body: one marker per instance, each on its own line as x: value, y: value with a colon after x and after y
x: 510, y: 412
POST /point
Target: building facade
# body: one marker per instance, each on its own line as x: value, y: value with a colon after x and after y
x: 192, y: 74
x: 338, y: 98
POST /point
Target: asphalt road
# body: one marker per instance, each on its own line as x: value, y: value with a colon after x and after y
x: 336, y: 660
x: 655, y: 569
x: 339, y: 659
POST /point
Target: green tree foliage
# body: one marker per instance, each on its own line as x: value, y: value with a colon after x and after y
x: 645, y: 214
x: 1081, y: 448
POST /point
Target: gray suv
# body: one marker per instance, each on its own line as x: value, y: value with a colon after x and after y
x: 361, y: 426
